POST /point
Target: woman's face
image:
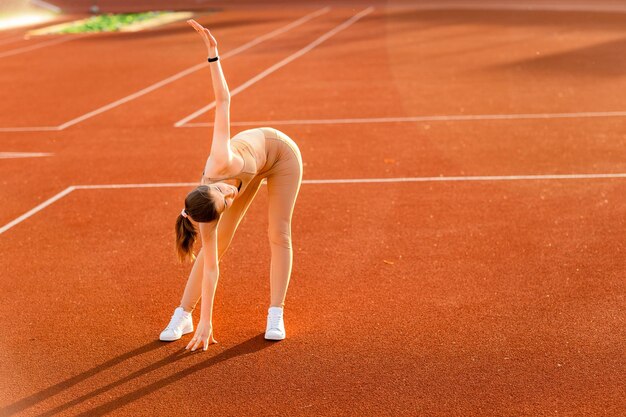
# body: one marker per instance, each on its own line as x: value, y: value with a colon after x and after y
x: 223, y: 194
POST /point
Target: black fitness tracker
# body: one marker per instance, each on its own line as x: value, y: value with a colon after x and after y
x: 214, y: 59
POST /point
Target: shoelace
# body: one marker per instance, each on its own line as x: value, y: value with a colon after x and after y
x: 175, y: 321
x: 275, y: 322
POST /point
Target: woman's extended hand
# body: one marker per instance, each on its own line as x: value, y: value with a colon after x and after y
x: 203, y: 335
x: 208, y: 39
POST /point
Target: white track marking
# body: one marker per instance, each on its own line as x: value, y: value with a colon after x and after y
x: 280, y: 64
x: 12, y: 39
x: 193, y: 69
x: 46, y: 5
x: 321, y: 181
x: 9, y: 155
x: 131, y: 97
x: 146, y: 185
x: 469, y: 178
x: 277, y: 32
x: 172, y: 78
x: 411, y: 119
x: 379, y: 180
x: 36, y: 209
x: 29, y: 129
x: 39, y: 45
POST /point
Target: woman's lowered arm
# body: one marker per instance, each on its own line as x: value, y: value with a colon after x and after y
x: 210, y: 274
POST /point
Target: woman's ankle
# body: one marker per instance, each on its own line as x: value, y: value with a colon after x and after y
x: 187, y: 309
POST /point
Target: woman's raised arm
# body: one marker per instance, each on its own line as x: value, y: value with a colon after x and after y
x: 221, y: 155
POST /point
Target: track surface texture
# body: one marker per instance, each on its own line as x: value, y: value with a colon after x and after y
x: 458, y: 241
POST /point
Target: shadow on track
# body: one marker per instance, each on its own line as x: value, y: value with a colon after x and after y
x: 70, y: 382
x: 573, y: 20
x: 253, y: 345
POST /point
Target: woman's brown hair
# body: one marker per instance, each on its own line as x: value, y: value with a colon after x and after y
x: 200, y: 206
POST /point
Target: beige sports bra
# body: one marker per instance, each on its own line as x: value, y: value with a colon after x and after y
x: 248, y: 171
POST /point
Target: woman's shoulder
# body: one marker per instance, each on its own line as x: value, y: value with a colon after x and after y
x: 249, y: 135
x: 215, y: 170
x: 247, y: 145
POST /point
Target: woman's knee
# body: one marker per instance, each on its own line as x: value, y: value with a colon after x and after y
x: 280, y: 236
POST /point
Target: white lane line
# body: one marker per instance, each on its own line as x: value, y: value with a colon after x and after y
x: 320, y: 181
x: 470, y: 178
x: 474, y: 178
x: 435, y: 118
x: 46, y: 5
x: 40, y: 45
x: 195, y: 68
x: 410, y: 119
x: 12, y: 39
x: 172, y: 78
x: 280, y: 64
x: 10, y: 155
x: 29, y: 129
x: 36, y: 209
x: 146, y: 185
x: 277, y: 32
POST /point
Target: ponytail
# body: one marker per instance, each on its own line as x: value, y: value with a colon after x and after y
x: 200, y: 207
x: 185, y: 238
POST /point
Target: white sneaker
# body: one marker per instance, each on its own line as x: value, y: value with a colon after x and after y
x: 275, y: 329
x: 180, y: 324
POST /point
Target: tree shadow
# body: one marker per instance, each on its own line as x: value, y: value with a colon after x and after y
x: 481, y: 48
x: 607, y: 59
x: 70, y: 382
x: 253, y: 345
x: 575, y: 20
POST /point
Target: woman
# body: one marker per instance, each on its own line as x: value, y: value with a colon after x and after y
x: 231, y: 178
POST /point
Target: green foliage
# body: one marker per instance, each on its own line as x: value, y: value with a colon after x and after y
x: 109, y: 22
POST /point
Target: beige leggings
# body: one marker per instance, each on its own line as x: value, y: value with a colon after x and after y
x: 283, y: 172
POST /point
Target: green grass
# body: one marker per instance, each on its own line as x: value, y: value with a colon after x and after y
x: 109, y: 22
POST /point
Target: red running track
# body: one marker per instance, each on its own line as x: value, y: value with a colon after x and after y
x: 431, y: 293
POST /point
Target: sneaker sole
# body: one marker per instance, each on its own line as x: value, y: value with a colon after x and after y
x: 177, y: 338
x: 274, y: 337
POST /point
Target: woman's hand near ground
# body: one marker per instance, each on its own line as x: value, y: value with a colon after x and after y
x: 208, y: 39
x: 203, y: 336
